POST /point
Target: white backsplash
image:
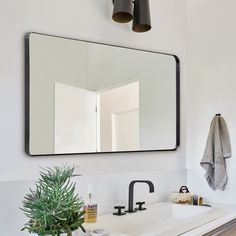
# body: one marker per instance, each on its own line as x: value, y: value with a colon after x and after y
x: 109, y: 190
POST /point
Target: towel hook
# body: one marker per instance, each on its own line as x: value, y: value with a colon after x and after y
x: 218, y: 114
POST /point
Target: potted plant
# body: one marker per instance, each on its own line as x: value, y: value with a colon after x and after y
x: 54, y: 208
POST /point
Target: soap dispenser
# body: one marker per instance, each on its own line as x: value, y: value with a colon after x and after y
x: 90, y: 208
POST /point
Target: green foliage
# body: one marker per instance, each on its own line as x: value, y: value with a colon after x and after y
x: 53, y: 207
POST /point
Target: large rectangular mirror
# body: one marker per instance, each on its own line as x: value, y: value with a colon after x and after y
x: 85, y: 97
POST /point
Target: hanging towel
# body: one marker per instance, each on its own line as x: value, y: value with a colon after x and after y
x: 217, y: 149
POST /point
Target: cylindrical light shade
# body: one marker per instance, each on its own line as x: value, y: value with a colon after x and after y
x: 123, y: 11
x: 141, y: 21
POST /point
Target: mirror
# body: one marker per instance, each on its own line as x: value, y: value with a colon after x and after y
x: 85, y: 97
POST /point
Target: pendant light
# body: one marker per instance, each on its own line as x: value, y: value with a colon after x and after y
x: 141, y: 21
x: 123, y: 11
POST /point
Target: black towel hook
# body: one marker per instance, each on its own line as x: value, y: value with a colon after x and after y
x: 218, y: 114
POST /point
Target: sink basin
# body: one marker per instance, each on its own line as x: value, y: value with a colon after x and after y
x: 165, y: 219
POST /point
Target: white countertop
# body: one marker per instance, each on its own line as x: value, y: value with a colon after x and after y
x: 227, y: 214
x: 230, y: 214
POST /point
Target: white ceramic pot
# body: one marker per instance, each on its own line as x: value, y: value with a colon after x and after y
x: 100, y: 232
x: 74, y: 233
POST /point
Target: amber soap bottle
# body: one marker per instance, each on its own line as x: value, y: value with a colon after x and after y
x: 90, y: 208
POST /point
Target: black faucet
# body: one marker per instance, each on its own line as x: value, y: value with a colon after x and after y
x: 131, y: 193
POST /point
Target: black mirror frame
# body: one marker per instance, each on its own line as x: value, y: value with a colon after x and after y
x: 27, y: 98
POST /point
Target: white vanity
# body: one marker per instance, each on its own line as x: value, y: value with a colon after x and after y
x: 165, y: 219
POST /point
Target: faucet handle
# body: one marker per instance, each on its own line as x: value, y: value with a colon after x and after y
x: 140, y: 206
x: 119, y: 212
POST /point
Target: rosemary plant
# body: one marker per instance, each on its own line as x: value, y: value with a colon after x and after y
x: 53, y: 208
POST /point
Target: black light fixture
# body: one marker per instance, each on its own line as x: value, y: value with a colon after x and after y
x: 141, y: 21
x: 123, y: 12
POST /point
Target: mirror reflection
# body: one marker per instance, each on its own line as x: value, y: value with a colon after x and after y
x: 86, y: 97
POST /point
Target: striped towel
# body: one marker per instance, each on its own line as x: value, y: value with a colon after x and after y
x: 217, y: 149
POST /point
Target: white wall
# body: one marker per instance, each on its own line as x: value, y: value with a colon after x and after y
x: 86, y: 20
x: 90, y: 20
x: 112, y: 102
x: 155, y: 74
x: 51, y: 60
x: 211, y: 86
x: 74, y: 113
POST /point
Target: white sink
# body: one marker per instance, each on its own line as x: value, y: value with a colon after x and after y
x: 165, y: 219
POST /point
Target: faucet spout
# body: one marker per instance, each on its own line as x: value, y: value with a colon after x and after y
x: 131, y: 192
